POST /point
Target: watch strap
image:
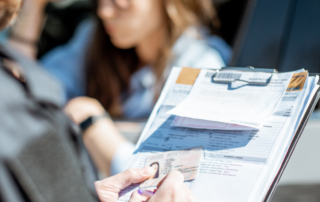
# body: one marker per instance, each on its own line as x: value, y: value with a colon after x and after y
x: 84, y: 125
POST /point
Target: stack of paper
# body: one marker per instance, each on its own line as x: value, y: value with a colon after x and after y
x: 246, y: 105
x: 239, y: 164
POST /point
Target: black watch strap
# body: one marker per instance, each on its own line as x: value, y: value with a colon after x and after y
x: 84, y: 125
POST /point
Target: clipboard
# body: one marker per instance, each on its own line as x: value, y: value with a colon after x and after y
x: 151, y: 137
x: 299, y: 131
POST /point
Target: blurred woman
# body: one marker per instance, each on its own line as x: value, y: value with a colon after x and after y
x: 123, y: 56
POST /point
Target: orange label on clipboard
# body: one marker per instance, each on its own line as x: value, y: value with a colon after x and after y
x: 188, y: 76
x: 297, y: 81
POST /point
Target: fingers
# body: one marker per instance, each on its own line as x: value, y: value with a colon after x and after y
x: 173, y: 177
x: 168, y: 187
x: 109, y: 188
x: 172, y: 189
x: 132, y: 176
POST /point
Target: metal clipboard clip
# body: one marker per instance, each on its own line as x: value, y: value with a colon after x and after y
x: 233, y: 77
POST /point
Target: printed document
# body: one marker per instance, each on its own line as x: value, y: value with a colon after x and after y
x: 297, y: 81
x: 247, y: 105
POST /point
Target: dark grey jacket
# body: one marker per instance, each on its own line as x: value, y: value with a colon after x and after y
x: 42, y: 157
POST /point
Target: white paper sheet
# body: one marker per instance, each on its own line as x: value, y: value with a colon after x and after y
x: 248, y: 105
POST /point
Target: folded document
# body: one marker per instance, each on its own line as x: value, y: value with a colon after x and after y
x: 248, y: 105
x: 297, y: 82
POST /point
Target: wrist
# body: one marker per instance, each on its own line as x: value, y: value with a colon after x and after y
x: 104, y: 136
x: 91, y: 120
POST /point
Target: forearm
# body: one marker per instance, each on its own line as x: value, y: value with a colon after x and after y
x: 102, y: 140
x: 29, y: 27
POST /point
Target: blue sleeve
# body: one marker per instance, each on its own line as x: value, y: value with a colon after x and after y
x: 66, y: 62
x: 221, y: 46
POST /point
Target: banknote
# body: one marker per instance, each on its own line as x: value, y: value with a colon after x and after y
x: 186, y: 161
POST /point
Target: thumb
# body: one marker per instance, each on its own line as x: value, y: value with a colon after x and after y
x: 131, y: 176
x: 109, y: 188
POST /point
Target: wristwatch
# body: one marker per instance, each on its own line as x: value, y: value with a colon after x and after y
x: 84, y: 125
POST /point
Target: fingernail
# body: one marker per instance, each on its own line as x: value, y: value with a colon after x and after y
x: 147, y: 171
x: 145, y: 192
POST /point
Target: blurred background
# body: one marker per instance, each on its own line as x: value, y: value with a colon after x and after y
x: 283, y: 35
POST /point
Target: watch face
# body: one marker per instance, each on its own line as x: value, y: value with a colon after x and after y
x: 91, y: 120
x: 86, y: 123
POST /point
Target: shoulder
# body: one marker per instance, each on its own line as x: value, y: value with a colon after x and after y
x: 66, y: 62
x: 191, y: 50
x: 76, y: 45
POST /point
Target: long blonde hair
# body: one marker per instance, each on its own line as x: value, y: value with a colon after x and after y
x: 8, y: 11
x: 108, y: 77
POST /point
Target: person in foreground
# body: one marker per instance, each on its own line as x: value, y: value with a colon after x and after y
x: 38, y: 159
